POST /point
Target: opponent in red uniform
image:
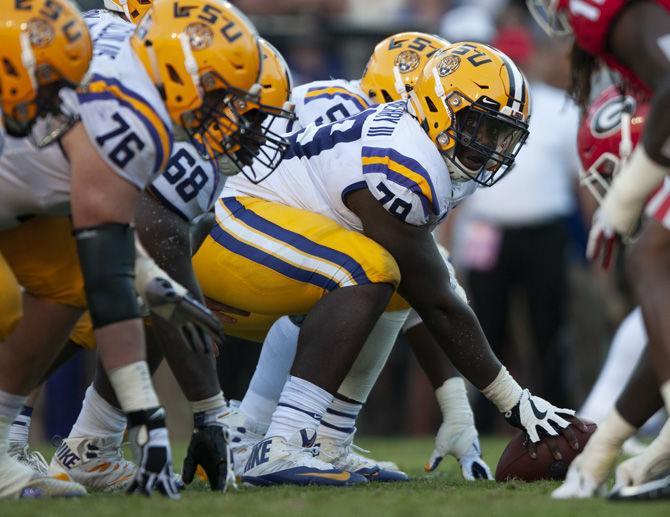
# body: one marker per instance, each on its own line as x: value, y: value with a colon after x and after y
x: 632, y: 38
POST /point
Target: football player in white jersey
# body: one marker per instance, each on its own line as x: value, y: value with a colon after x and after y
x: 23, y: 98
x: 187, y: 190
x: 347, y: 214
x: 116, y: 131
x: 390, y: 73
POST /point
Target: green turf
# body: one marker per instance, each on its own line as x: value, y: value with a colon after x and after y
x: 444, y: 494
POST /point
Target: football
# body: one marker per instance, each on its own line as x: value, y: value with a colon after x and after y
x: 515, y: 463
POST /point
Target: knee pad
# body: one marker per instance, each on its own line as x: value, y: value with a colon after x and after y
x: 107, y: 258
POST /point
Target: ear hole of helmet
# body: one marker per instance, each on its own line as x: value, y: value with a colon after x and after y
x: 387, y: 96
x: 430, y: 104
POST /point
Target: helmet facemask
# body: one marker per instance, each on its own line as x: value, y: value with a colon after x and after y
x: 41, y: 118
x: 229, y: 128
x: 550, y: 16
x: 486, y: 141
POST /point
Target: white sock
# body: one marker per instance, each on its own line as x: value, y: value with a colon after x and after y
x: 371, y: 359
x: 20, y: 428
x: 271, y: 373
x: 10, y: 407
x: 301, y: 406
x: 98, y: 419
x: 625, y: 351
x: 339, y: 422
x: 206, y: 412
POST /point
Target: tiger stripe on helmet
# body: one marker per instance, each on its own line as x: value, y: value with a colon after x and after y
x: 517, y: 83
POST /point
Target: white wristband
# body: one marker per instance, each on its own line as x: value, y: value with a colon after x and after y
x: 638, y: 178
x: 504, y: 391
x: 133, y: 387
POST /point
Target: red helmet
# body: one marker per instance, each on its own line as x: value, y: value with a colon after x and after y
x: 607, y: 134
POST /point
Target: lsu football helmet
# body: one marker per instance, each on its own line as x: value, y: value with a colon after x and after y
x: 607, y: 135
x: 132, y: 9
x: 44, y: 46
x: 204, y: 58
x: 474, y: 104
x: 261, y: 143
x: 551, y: 16
x: 396, y: 64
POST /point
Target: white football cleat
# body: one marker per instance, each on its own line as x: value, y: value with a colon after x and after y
x: 32, y: 459
x: 579, y: 484
x: 20, y: 481
x: 243, y: 436
x: 96, y: 463
x: 345, y: 456
x: 277, y: 461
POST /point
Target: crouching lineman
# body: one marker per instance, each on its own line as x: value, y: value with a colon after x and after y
x: 295, y: 245
x: 390, y: 73
x: 608, y: 134
x: 115, y: 133
x: 188, y: 188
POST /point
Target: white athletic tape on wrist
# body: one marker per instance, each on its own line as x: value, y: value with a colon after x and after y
x: 630, y: 188
x: 665, y: 393
x: 133, y: 387
x: 504, y: 391
x: 209, y: 404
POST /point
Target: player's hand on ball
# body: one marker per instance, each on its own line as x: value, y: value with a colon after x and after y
x: 149, y: 439
x: 197, y: 324
x: 538, y: 419
x: 209, y: 449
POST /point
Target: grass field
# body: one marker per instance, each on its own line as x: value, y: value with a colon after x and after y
x: 441, y: 494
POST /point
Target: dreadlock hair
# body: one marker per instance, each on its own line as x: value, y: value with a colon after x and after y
x: 583, y: 65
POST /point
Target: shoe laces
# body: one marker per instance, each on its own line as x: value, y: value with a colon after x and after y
x: 33, y: 459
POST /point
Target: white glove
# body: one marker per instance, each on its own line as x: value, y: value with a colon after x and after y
x: 603, y: 239
x: 534, y: 414
x: 642, y: 468
x: 579, y: 483
x: 149, y: 438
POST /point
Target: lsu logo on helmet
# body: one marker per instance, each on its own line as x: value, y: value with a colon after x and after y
x: 396, y: 64
x: 474, y: 104
x: 44, y: 45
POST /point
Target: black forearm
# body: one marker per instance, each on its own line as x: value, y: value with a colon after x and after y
x: 425, y: 285
x: 169, y: 245
x: 640, y: 398
x: 639, y: 40
x: 432, y: 359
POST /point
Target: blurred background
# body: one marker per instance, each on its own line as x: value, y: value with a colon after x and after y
x: 518, y: 248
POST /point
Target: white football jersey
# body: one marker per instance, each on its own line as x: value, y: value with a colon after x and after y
x: 120, y: 106
x: 122, y: 113
x: 190, y: 184
x: 383, y: 149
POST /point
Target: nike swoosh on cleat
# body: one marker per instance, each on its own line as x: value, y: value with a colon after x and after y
x: 538, y: 414
x: 340, y: 476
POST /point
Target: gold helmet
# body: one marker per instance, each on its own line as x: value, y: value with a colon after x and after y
x: 474, y: 104
x: 396, y: 63
x: 44, y: 46
x: 203, y: 56
x: 132, y: 9
x: 276, y: 85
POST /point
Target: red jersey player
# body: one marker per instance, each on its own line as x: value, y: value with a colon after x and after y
x: 633, y: 39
